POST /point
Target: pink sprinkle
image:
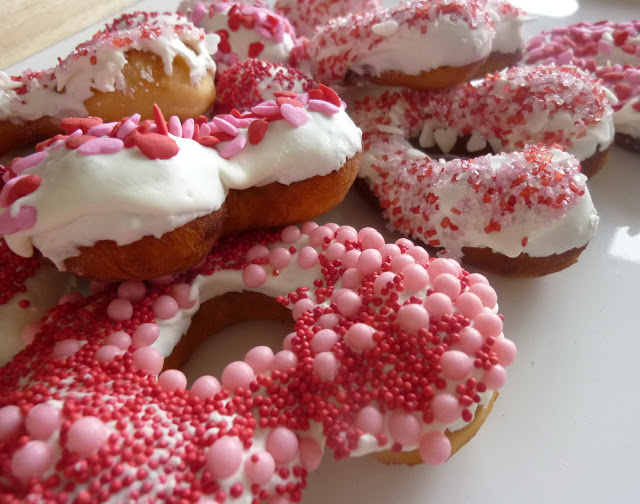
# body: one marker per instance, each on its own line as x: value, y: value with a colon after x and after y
x: 265, y: 110
x: 188, y: 128
x: 605, y: 47
x: 413, y: 317
x: 132, y: 290
x: 254, y: 275
x: 318, y: 235
x: 349, y: 303
x: 101, y: 129
x: 284, y: 360
x: 175, y: 126
x: 370, y: 420
x: 456, y: 365
x: 257, y: 252
x: 119, y: 339
x: 165, y: 307
x: 404, y: 428
x: 323, y: 340
x: 86, y: 436
x: 128, y: 126
x: 307, y: 257
x: 28, y: 334
x: 146, y: 334
x: 260, y: 467
x: 369, y: 261
x: 31, y: 460
x: 260, y: 358
x: 107, y: 353
x: 282, y: 444
x: 11, y: 419
x: 102, y: 145
x: 505, y: 350
x: 296, y: 116
x: 279, y: 258
x: 224, y: 457
x: 359, y: 337
x: 438, y: 304
x: 206, y: 386
x: 25, y: 219
x: 172, y: 379
x: 237, y: 374
x: 149, y: 359
x: 182, y: 294
x: 307, y: 227
x: 233, y: 147
x: 326, y: 365
x: 120, y: 309
x: 29, y: 161
x: 495, y: 378
x: 302, y: 305
x: 66, y: 348
x: 225, y: 126
x: 324, y: 107
x: 198, y: 12
x: 434, y: 448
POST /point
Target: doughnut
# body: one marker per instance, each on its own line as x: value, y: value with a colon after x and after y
x: 508, y: 38
x: 140, y: 200
x: 306, y: 15
x: 391, y: 351
x: 608, y: 50
x: 27, y: 290
x: 381, y: 47
x: 252, y: 81
x: 522, y: 213
x: 109, y: 77
x: 506, y: 111
x: 245, y: 30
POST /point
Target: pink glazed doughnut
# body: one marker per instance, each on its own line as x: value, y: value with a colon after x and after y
x: 611, y: 52
x: 391, y: 350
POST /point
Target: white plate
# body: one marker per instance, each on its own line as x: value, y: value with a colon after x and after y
x: 564, y: 429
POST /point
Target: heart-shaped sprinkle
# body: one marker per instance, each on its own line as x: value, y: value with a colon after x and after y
x: 25, y: 219
x: 70, y: 124
x: 18, y: 187
x: 257, y: 130
x: 233, y: 147
x: 158, y: 117
x: 330, y: 95
x: 324, y: 107
x: 104, y: 145
x: 255, y: 49
x: 18, y: 165
x: 157, y: 146
x: 295, y: 116
x: 74, y: 142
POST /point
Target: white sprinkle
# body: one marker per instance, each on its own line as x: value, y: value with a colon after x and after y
x: 446, y: 138
x: 415, y: 154
x: 385, y: 29
x: 392, y: 130
x: 426, y: 136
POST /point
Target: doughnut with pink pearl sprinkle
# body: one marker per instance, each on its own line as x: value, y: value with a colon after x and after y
x: 611, y: 53
x: 391, y: 350
x: 27, y: 290
x: 525, y: 211
x: 246, y: 30
x: 431, y: 45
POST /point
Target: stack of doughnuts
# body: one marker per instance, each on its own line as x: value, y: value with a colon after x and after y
x: 182, y: 219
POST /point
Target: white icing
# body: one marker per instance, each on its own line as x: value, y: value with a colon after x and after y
x: 125, y: 196
x: 44, y: 289
x: 626, y: 119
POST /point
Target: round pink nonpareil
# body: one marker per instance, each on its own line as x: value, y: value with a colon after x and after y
x: 172, y: 379
x: 323, y: 340
x: 359, y: 337
x: 282, y: 444
x: 254, y: 275
x: 86, y: 436
x: 370, y: 420
x: 120, y: 309
x: 224, y: 457
x: 435, y: 448
x: 326, y: 366
x: 149, y: 359
x: 32, y: 460
x: 260, y: 358
x: 348, y: 303
x: 237, y: 374
x: 132, y: 290
x: 412, y: 317
x: 206, y: 386
x: 11, y: 419
x: 145, y: 335
x: 310, y: 454
x: 165, y: 307
x: 260, y: 467
x: 404, y: 428
x: 446, y: 408
x: 66, y: 348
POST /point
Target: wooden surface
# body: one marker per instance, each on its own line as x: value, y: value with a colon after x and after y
x: 28, y: 26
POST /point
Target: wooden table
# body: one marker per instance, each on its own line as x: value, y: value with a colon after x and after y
x: 28, y: 26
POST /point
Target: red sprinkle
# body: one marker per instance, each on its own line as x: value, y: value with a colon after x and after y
x: 257, y: 130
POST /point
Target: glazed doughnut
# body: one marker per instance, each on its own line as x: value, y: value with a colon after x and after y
x: 390, y: 350
x: 523, y: 213
x: 252, y: 81
x: 508, y: 110
x: 246, y: 30
x: 27, y: 290
x: 610, y: 51
x: 109, y: 77
x: 307, y: 15
x: 382, y: 47
x: 139, y: 200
